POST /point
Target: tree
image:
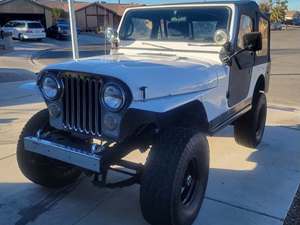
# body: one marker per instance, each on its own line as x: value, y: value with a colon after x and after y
x: 277, y: 14
x: 265, y: 7
x: 276, y: 8
x: 58, y: 14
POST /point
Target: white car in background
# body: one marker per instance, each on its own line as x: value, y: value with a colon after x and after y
x: 278, y: 26
x: 25, y: 29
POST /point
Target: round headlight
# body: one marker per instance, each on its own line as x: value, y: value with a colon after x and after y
x: 50, y: 88
x: 113, y: 97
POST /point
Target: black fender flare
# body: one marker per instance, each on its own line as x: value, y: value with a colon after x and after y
x: 192, y: 114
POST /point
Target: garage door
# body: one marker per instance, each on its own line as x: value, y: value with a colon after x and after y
x: 5, y: 17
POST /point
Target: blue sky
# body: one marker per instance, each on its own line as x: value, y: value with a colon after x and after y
x: 293, y: 4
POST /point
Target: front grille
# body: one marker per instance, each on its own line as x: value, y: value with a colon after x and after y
x: 81, y: 105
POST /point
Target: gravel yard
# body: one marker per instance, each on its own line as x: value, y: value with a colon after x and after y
x: 293, y: 217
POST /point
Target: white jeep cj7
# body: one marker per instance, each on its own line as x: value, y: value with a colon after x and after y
x: 176, y: 73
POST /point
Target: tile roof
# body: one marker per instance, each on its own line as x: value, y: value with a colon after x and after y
x: 292, y: 13
x: 62, y: 5
x: 2, y: 2
x: 119, y: 9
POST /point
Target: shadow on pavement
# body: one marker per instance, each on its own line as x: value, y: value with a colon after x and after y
x: 19, y: 53
x: 19, y: 93
x: 13, y: 75
x: 8, y: 120
x: 255, y: 185
x: 21, y: 100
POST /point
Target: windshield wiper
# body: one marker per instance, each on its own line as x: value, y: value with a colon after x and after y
x: 155, y: 45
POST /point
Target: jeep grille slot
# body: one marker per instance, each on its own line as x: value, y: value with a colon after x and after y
x: 81, y: 105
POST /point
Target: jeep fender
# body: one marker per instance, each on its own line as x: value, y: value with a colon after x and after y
x: 166, y: 112
x: 260, y: 79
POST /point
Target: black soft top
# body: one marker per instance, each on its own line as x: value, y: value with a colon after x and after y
x: 239, y: 3
x: 243, y: 5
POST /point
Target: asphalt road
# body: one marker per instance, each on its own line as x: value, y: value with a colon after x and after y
x: 285, y: 74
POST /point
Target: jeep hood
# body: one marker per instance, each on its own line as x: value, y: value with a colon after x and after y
x: 161, y: 75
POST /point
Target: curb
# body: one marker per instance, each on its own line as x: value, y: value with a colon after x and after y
x: 285, y: 108
x: 34, y: 57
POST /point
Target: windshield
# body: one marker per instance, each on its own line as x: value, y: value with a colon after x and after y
x: 34, y: 25
x: 172, y: 24
x: 19, y: 25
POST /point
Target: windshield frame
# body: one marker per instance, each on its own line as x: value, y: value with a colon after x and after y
x: 174, y: 7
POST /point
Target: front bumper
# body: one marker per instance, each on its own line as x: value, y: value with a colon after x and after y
x: 74, y: 156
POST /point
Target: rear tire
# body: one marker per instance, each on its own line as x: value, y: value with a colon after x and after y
x: 175, y: 177
x: 40, y: 169
x: 249, y: 129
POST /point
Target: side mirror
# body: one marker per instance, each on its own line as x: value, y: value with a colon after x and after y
x: 252, y: 41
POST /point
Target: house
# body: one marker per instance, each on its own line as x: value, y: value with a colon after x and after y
x: 89, y: 16
x: 292, y: 16
x: 25, y: 10
x: 97, y: 16
x: 92, y: 16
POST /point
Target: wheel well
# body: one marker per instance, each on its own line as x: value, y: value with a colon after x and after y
x: 139, y: 122
x: 260, y: 86
x: 192, y: 115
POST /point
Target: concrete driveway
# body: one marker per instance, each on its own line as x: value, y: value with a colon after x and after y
x: 246, y: 186
x: 25, y: 53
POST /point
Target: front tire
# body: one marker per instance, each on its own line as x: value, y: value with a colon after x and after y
x: 57, y: 37
x: 175, y: 177
x: 40, y: 169
x: 21, y: 38
x: 249, y: 129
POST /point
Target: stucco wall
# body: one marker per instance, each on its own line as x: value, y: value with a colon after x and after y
x: 80, y: 20
x: 92, y: 22
x: 91, y: 10
x: 94, y: 16
x: 49, y: 20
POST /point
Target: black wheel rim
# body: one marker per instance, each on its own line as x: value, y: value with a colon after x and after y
x: 189, y: 183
